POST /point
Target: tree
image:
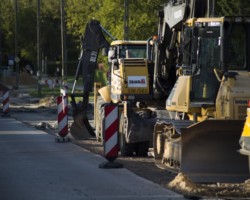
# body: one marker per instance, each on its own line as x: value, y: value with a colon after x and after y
x: 143, y: 22
x: 233, y: 7
x: 7, y: 20
x: 142, y: 18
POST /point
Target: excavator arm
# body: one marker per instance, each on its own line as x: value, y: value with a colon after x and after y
x: 91, y: 43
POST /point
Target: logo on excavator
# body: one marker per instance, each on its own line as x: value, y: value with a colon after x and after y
x: 93, y: 56
x: 137, y: 81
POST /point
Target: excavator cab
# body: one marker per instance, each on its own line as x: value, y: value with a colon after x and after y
x: 128, y: 70
x: 205, y: 85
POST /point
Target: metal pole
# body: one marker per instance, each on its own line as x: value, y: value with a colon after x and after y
x: 16, y: 46
x: 63, y: 43
x: 38, y: 49
x: 126, y: 19
x: 1, y: 54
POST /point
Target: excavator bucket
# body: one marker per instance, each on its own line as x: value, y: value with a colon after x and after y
x: 80, y: 129
x: 210, y: 152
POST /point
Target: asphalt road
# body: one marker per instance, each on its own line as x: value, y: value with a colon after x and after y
x: 33, y: 166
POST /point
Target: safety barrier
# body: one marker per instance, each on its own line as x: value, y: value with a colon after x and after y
x: 6, y: 103
x: 64, y: 90
x: 51, y: 82
x: 111, y: 125
x: 62, y: 118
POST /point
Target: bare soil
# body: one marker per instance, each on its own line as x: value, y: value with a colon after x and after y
x: 42, y: 114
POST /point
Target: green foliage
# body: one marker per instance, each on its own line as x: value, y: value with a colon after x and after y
x: 233, y: 7
x: 143, y: 23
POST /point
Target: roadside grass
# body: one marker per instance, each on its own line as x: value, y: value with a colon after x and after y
x: 56, y: 91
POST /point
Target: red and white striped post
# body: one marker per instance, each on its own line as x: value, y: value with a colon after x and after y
x: 111, y: 125
x: 64, y: 90
x: 62, y: 116
x: 6, y: 103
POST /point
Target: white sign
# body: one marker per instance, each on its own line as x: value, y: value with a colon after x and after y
x: 178, y: 14
x: 137, y: 81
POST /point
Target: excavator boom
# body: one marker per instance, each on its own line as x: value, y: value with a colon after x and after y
x: 91, y: 43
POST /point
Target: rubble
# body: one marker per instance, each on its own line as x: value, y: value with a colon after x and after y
x: 182, y: 184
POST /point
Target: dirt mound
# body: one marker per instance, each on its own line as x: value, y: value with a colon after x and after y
x: 182, y: 184
x: 48, y: 101
x: 24, y: 79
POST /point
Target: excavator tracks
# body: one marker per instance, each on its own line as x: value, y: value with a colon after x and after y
x: 167, y: 144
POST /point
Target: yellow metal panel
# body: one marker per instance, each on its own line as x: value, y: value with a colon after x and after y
x: 246, y: 130
x: 179, y: 99
x: 128, y: 42
x: 192, y: 21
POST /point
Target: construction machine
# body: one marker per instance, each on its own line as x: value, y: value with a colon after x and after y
x: 207, y: 103
x: 129, y: 87
x: 129, y: 82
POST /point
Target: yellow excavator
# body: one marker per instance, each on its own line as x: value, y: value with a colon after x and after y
x: 129, y: 82
x: 129, y: 87
x: 208, y: 101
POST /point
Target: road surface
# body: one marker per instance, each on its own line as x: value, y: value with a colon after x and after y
x: 34, y: 166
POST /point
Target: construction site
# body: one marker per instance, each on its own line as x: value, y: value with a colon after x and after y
x: 173, y: 109
x: 41, y: 113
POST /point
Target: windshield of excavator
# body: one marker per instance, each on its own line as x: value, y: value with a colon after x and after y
x: 205, y: 85
x: 238, y: 46
x: 132, y: 51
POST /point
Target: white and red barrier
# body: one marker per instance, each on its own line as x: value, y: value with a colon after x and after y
x: 51, y: 82
x: 62, y: 116
x: 111, y: 126
x: 64, y: 90
x: 6, y: 103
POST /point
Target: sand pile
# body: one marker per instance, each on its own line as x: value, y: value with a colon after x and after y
x: 219, y: 190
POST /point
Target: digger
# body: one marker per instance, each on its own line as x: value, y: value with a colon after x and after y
x: 128, y: 83
x: 208, y: 101
x: 130, y: 89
